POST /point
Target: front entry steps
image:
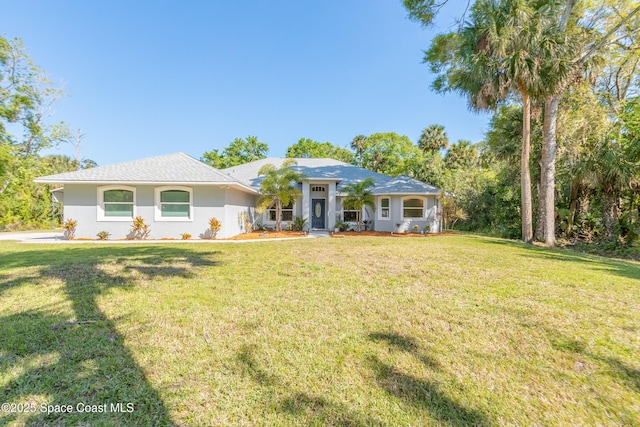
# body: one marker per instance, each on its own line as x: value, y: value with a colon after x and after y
x: 318, y: 233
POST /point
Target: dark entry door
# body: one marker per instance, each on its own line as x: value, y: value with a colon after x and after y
x: 317, y: 213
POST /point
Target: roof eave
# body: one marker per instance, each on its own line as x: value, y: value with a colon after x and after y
x: 236, y: 185
x: 129, y: 182
x: 407, y: 193
x: 309, y: 179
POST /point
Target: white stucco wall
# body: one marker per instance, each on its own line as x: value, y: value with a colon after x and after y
x: 431, y: 217
x: 238, y: 205
x: 81, y: 204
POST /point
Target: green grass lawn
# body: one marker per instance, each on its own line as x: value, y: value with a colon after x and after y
x: 444, y: 330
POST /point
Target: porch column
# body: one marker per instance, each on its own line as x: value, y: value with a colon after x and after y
x: 331, y: 209
x: 306, y: 202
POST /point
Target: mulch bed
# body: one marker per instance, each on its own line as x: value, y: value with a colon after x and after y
x: 265, y: 235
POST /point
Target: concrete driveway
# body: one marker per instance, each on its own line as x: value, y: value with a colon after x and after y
x: 36, y: 237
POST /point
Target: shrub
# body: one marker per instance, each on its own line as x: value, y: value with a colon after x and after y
x: 342, y: 226
x: 103, y: 235
x: 214, y: 226
x: 299, y: 223
x: 69, y: 227
x: 185, y: 236
x: 416, y: 228
x: 139, y: 229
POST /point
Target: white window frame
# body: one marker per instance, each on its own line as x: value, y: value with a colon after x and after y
x: 158, y: 205
x: 424, y: 207
x: 272, y: 208
x: 100, y: 207
x: 350, y: 210
x: 388, y: 208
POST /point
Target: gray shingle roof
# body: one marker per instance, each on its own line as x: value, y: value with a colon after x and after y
x: 329, y: 169
x: 169, y: 168
x: 182, y: 168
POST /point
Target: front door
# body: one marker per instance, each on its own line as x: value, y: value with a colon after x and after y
x: 317, y: 214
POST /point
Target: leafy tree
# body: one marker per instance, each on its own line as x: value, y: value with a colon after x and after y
x: 583, y: 122
x: 586, y: 31
x: 461, y: 155
x: 431, y: 169
x: 451, y: 212
x: 26, y: 105
x: 359, y: 195
x: 577, y: 32
x: 238, y: 152
x: 279, y: 187
x: 307, y: 148
x: 57, y: 163
x: 433, y: 138
x: 391, y: 154
x: 614, y: 165
x: 26, y: 100
x: 423, y: 11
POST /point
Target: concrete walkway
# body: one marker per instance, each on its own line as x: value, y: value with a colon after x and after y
x: 36, y: 237
x: 316, y: 234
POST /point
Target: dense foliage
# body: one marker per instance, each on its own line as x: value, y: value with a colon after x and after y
x: 238, y: 152
x: 308, y: 148
x: 26, y: 99
x: 566, y: 111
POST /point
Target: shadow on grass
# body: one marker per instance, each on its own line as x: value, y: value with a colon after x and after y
x: 408, y: 344
x: 622, y: 268
x: 302, y: 407
x: 54, y: 359
x: 418, y: 392
x: 627, y: 375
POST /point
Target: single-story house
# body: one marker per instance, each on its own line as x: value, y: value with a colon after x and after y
x: 176, y: 193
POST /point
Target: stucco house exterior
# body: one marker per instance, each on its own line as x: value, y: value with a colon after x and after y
x: 176, y: 193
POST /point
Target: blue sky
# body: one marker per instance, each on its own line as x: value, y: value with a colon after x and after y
x: 145, y: 78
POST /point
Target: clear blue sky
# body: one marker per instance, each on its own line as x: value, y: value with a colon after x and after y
x: 152, y: 77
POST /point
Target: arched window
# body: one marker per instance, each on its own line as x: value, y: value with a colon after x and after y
x: 116, y: 203
x: 174, y: 204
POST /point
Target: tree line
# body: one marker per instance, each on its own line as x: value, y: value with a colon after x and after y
x: 560, y: 158
x: 27, y: 97
x: 542, y: 55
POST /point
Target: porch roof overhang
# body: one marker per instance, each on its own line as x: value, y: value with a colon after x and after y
x: 312, y: 179
x: 406, y: 194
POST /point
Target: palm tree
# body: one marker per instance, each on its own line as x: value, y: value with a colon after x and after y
x: 495, y: 57
x: 433, y: 138
x: 359, y: 195
x: 278, y: 187
x: 358, y: 144
x: 462, y: 155
x: 566, y: 60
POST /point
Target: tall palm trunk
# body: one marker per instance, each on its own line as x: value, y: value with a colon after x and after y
x: 539, y: 231
x: 573, y: 205
x: 525, y: 172
x: 610, y: 212
x: 548, y: 171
